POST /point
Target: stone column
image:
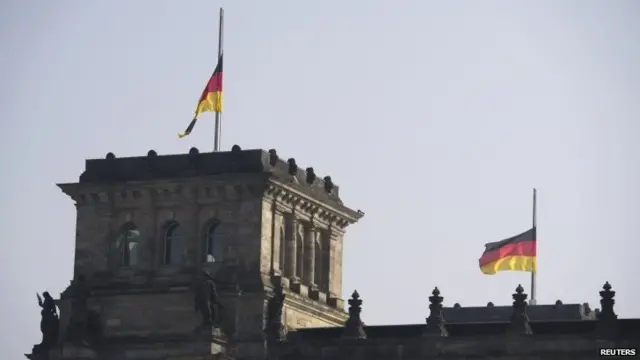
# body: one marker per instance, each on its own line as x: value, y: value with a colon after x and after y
x: 310, y: 257
x: 299, y: 252
x: 291, y: 253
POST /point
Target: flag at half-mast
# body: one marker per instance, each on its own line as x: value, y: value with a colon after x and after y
x: 517, y: 253
x: 211, y: 98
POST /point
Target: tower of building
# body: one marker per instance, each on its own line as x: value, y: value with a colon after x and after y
x: 148, y: 227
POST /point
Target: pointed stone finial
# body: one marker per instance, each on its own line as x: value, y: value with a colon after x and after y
x: 274, y: 329
x: 519, y: 297
x: 607, y: 318
x: 607, y: 302
x: 519, y: 318
x: 435, y: 321
x: 354, y: 328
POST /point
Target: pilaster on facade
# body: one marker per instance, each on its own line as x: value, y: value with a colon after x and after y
x: 310, y: 257
x: 302, y: 261
x: 291, y: 257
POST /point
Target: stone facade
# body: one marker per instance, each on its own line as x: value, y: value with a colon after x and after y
x: 238, y: 255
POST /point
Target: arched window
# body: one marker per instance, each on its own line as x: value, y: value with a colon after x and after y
x: 128, y: 244
x: 214, y: 240
x: 173, y: 244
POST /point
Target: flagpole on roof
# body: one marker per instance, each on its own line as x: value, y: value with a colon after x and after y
x: 218, y: 124
x: 535, y: 237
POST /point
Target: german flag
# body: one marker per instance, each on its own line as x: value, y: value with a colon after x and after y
x: 517, y: 253
x: 211, y: 98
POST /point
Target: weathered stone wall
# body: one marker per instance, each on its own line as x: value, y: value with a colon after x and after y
x: 147, y: 314
x: 93, y: 224
x: 295, y: 319
x: 301, y: 312
x: 102, y: 212
x: 250, y: 316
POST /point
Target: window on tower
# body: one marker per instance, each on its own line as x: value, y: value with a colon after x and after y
x: 214, y: 242
x: 173, y: 244
x: 128, y: 245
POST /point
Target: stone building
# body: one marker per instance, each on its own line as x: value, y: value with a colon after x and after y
x: 238, y: 255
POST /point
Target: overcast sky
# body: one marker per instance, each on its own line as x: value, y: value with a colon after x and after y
x: 436, y: 118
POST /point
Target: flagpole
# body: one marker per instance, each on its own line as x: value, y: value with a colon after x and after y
x: 218, y: 123
x: 535, y: 238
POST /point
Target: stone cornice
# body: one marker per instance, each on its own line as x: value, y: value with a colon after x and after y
x: 311, y: 209
x: 213, y: 189
x: 138, y: 193
x: 315, y: 308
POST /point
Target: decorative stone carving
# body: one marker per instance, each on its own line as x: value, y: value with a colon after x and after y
x: 354, y: 327
x: 274, y: 329
x: 206, y: 301
x: 48, y: 326
x: 273, y: 157
x: 293, y: 168
x: 311, y: 176
x: 519, y: 318
x: 435, y: 321
x: 328, y: 184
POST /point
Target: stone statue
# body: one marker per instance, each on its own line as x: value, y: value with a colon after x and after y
x: 206, y: 301
x: 274, y: 328
x: 49, y: 321
x: 48, y: 325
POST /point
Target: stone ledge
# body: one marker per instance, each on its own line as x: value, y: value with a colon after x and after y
x: 335, y: 302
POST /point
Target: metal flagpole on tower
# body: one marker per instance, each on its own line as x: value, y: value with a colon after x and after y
x: 218, y: 123
x: 535, y: 238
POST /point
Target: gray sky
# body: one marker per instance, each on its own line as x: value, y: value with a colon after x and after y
x: 435, y: 118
